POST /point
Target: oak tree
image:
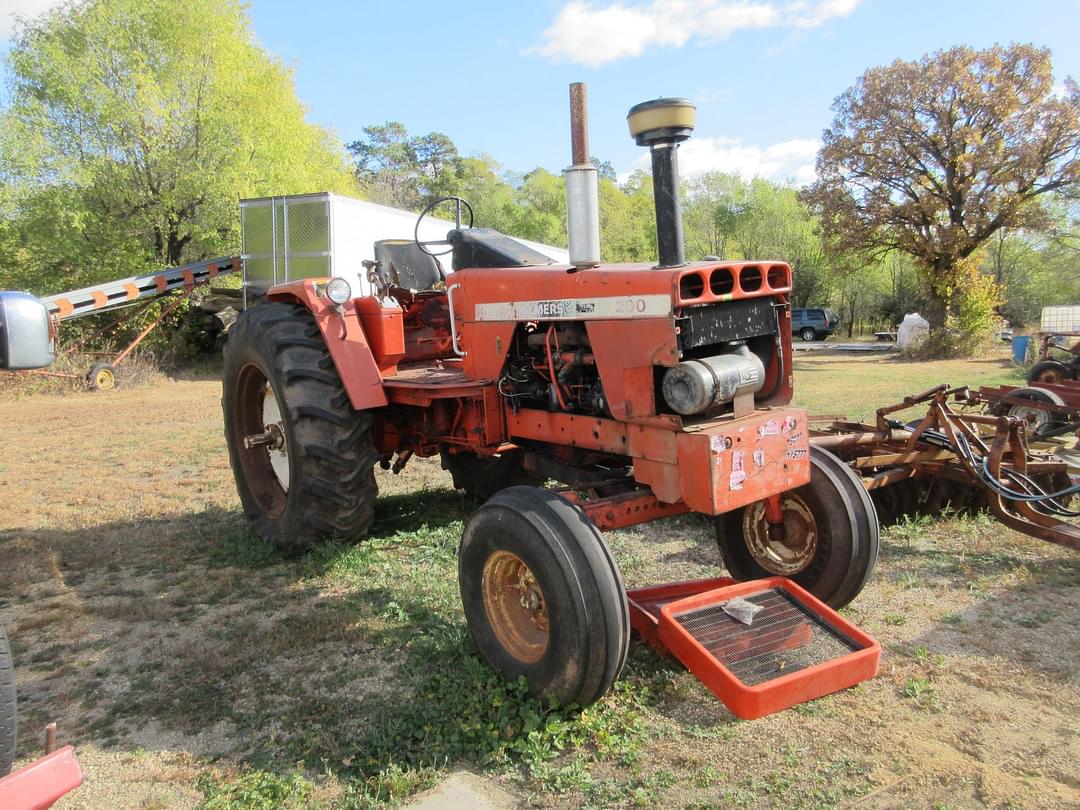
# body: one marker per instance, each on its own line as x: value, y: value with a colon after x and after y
x: 933, y: 157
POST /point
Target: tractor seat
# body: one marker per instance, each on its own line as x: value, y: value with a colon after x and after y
x: 401, y: 264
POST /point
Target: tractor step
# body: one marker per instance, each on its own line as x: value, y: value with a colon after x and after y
x: 794, y: 648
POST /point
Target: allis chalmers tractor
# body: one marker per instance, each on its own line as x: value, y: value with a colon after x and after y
x: 646, y: 390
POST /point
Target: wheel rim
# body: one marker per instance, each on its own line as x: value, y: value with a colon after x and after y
x: 1034, y: 418
x: 808, y: 335
x: 785, y: 552
x: 515, y: 606
x: 279, y: 452
x: 1050, y: 375
x: 263, y: 447
x: 104, y: 379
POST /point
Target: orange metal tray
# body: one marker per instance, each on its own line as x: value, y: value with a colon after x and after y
x: 645, y: 604
x: 796, y: 650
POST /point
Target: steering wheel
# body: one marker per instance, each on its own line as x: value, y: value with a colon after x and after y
x: 459, y: 203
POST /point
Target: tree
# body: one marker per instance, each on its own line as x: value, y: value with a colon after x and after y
x: 402, y: 171
x: 134, y: 126
x: 932, y: 158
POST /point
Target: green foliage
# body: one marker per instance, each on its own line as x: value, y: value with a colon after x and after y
x: 134, y: 126
x: 932, y: 158
x: 254, y: 790
x: 402, y: 171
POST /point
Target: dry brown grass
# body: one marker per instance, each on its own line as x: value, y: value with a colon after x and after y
x: 169, y: 645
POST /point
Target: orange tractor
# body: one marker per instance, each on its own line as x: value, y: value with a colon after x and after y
x: 645, y: 390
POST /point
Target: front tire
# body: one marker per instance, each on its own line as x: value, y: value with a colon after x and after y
x: 543, y: 597
x: 8, y: 713
x: 831, y: 534
x: 302, y: 457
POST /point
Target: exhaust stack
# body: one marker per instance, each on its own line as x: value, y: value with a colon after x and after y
x: 661, y: 125
x: 582, y: 192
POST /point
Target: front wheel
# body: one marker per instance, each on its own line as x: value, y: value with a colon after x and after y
x: 8, y: 713
x: 303, y: 458
x: 828, y: 541
x: 543, y: 597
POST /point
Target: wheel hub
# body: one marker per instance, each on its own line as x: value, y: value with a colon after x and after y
x: 276, y: 446
x: 515, y: 606
x: 784, y: 548
x: 1034, y: 418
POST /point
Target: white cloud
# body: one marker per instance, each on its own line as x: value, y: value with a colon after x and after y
x: 10, y: 9
x: 782, y: 161
x: 593, y: 34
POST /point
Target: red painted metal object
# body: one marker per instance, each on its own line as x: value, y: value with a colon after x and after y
x: 645, y: 604
x: 42, y: 782
x: 797, y: 649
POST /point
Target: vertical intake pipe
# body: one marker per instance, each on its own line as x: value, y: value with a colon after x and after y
x: 582, y: 191
x: 661, y: 125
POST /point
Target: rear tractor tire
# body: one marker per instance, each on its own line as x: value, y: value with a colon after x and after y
x: 8, y: 713
x: 829, y: 540
x: 543, y: 597
x: 303, y: 458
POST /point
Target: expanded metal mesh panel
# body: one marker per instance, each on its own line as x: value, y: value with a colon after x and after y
x: 783, y: 638
x: 259, y: 272
x: 1061, y: 319
x: 285, y: 238
x: 309, y: 227
x: 309, y: 267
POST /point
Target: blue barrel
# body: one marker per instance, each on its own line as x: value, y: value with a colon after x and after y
x: 1020, y: 345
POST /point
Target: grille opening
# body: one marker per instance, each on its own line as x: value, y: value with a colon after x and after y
x: 750, y: 279
x: 692, y: 285
x: 721, y: 282
x: 785, y: 637
x: 778, y: 278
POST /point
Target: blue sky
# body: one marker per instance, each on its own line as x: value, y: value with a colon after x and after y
x: 494, y: 75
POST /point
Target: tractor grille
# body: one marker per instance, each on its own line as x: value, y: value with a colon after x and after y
x: 783, y: 638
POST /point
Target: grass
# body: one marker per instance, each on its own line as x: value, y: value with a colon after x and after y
x: 857, y: 385
x: 196, y: 667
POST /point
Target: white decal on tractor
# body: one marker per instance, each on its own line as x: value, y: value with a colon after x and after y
x: 572, y: 309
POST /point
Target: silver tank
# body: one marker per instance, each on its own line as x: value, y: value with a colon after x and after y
x: 694, y: 386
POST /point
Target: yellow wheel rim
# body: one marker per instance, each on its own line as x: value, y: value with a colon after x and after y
x: 515, y: 607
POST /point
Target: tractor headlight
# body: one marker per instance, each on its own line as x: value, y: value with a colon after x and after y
x: 338, y: 291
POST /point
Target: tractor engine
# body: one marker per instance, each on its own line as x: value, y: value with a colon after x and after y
x: 552, y: 366
x: 725, y: 349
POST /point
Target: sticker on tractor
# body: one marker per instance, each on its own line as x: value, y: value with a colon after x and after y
x: 795, y: 453
x: 759, y: 459
x: 770, y: 428
x: 574, y: 309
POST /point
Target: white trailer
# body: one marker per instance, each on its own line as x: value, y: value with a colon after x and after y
x: 325, y: 234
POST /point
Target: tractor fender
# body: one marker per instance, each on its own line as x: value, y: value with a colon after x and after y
x: 345, y: 338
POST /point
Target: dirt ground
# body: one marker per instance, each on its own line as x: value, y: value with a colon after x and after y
x: 178, y: 655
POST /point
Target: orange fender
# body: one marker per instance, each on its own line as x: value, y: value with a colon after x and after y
x: 345, y: 338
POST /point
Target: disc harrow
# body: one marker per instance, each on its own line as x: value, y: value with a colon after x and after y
x: 956, y: 458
